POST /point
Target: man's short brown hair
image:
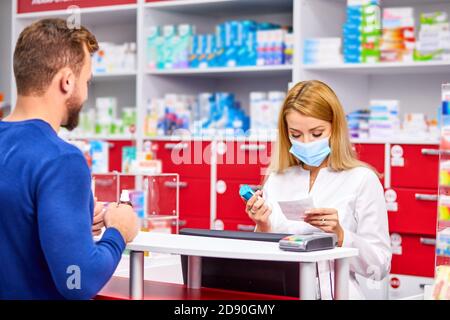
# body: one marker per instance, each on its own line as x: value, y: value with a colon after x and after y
x: 44, y: 48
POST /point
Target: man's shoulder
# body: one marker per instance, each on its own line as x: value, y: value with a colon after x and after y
x: 41, y: 144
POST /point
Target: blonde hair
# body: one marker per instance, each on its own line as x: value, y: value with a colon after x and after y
x: 315, y: 99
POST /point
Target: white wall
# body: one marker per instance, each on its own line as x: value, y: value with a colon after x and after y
x: 5, y: 47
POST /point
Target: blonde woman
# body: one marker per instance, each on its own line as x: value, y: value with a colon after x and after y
x: 314, y: 157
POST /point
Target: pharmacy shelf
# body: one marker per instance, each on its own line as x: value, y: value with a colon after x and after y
x: 401, y: 3
x: 385, y: 68
x: 222, y: 7
x: 72, y: 137
x: 209, y: 138
x: 226, y: 72
x: 424, y: 141
x: 89, y: 16
x: 115, y: 76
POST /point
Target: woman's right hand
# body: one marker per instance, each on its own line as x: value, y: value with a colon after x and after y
x: 258, y: 210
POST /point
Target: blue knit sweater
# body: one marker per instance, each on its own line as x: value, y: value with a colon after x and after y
x: 46, y: 210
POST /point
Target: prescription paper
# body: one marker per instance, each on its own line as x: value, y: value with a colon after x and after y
x: 295, y: 210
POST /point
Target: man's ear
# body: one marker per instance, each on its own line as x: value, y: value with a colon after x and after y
x: 67, y: 81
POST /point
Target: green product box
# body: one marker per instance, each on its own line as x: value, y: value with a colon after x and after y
x: 102, y: 128
x: 370, y: 10
x: 371, y: 29
x: 433, y: 17
x: 129, y: 116
x: 429, y: 56
x: 373, y: 41
x: 370, y: 55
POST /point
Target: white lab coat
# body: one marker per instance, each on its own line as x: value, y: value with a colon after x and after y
x: 358, y: 196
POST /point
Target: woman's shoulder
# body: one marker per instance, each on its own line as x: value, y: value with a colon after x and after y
x: 363, y: 174
x: 361, y: 171
x: 291, y: 172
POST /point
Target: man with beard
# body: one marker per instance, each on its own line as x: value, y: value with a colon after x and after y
x: 48, y: 214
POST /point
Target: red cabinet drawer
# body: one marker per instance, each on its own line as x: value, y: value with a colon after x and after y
x: 372, y: 154
x: 115, y: 154
x: 229, y: 203
x: 413, y: 255
x: 242, y: 160
x: 196, y: 223
x: 412, y: 210
x: 237, y: 225
x: 188, y: 158
x: 194, y: 198
x: 414, y: 166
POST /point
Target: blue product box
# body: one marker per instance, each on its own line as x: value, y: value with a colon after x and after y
x: 351, y: 28
x: 352, y: 38
x: 354, y: 19
x: 211, y: 50
x: 354, y: 10
x: 350, y: 53
x: 193, y: 59
x: 352, y: 58
x: 247, y: 53
x: 352, y: 47
x: 201, y: 49
x: 237, y: 33
x: 220, y: 46
x: 446, y: 108
x: 230, y: 54
x: 206, y: 59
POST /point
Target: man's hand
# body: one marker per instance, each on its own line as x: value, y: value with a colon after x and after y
x: 99, y: 214
x: 124, y: 219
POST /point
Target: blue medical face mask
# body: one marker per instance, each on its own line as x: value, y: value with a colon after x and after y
x: 312, y: 153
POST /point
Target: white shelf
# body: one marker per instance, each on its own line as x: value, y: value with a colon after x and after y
x: 208, y: 138
x: 387, y: 68
x: 225, y: 72
x: 424, y: 141
x: 113, y: 76
x: 222, y: 7
x: 99, y: 137
x: 401, y: 3
x: 96, y: 10
x: 90, y: 16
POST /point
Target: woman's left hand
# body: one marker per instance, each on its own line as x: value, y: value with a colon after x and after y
x: 326, y: 219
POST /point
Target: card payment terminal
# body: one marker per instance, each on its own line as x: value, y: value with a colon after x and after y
x: 308, y: 242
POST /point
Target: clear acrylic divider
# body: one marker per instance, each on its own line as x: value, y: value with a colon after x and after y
x: 105, y: 187
x: 155, y: 198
